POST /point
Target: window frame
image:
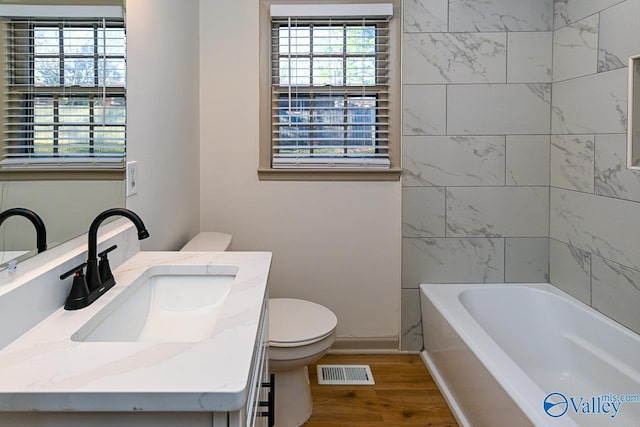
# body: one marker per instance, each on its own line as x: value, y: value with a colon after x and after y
x: 54, y: 93
x: 265, y: 169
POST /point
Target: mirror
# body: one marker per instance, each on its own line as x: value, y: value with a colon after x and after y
x: 64, y: 117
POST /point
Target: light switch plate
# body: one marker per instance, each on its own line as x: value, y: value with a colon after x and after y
x: 132, y: 178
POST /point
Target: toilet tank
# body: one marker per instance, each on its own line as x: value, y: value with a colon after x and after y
x: 209, y: 241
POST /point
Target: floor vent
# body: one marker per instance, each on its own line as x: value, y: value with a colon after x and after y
x: 345, y: 375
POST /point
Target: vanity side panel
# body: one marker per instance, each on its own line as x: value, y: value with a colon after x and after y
x: 220, y: 419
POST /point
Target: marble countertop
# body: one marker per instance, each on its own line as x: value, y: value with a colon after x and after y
x: 44, y: 370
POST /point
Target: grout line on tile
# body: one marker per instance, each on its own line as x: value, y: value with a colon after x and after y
x: 594, y: 163
x: 448, y: 15
x: 506, y: 57
x: 446, y: 227
x: 590, y: 279
x: 585, y: 17
x: 505, y: 160
x: 594, y: 194
x: 504, y: 260
x: 446, y: 110
x: 598, y: 44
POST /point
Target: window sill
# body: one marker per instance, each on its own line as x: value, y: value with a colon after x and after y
x: 62, y: 174
x: 329, y: 174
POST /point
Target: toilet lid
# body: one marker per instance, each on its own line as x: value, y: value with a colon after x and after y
x: 209, y: 241
x: 294, y: 322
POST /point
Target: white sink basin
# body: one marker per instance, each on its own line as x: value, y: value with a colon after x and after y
x: 178, y: 303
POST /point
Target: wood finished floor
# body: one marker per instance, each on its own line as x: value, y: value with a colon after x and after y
x: 404, y: 395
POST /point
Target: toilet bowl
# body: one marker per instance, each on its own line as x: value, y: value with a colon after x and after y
x: 300, y: 333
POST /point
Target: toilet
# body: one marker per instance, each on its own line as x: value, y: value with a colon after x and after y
x: 300, y: 333
x: 209, y: 241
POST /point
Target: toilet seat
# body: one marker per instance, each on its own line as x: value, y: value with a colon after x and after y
x: 295, y: 323
x: 300, y: 333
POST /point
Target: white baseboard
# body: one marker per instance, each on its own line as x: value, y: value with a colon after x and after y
x: 365, y: 345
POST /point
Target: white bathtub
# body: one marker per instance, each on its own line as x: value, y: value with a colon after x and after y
x: 498, y: 351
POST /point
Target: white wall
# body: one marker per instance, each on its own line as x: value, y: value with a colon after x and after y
x: 162, y: 118
x: 335, y: 243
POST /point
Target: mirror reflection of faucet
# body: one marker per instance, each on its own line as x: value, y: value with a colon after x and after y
x: 99, y: 278
x: 41, y: 231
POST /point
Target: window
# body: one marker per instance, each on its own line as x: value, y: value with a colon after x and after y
x: 64, y: 94
x: 330, y: 105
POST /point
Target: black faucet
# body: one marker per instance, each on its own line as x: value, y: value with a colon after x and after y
x: 41, y: 231
x: 93, y: 277
x: 99, y: 279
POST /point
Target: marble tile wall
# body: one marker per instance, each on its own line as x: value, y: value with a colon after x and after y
x: 502, y: 180
x: 594, y: 198
x: 477, y: 80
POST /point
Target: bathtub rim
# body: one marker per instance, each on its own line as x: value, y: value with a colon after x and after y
x: 498, y: 364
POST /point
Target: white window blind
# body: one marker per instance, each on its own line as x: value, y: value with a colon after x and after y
x: 330, y: 95
x: 64, y: 95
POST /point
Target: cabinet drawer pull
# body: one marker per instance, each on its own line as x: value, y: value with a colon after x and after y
x: 270, y: 404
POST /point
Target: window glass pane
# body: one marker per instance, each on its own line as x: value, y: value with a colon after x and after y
x: 293, y: 123
x: 109, y: 139
x: 115, y: 72
x: 113, y: 38
x: 43, y: 139
x: 43, y: 110
x: 361, y: 71
x: 46, y: 41
x: 327, y: 40
x: 327, y: 71
x: 361, y: 132
x: 299, y: 70
x: 46, y: 71
x: 297, y: 37
x: 43, y: 125
x: 73, y: 110
x: 328, y: 109
x: 67, y: 120
x: 335, y: 118
x: 73, y: 139
x: 361, y: 40
x: 111, y: 112
x: 328, y: 120
x: 78, y: 41
x: 79, y: 72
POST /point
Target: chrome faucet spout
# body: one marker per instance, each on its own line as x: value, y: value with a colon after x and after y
x: 41, y: 231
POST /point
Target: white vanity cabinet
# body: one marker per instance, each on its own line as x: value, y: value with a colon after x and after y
x: 257, y: 411
x: 52, y: 376
x: 253, y: 414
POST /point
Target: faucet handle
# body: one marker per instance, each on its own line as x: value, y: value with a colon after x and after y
x: 76, y: 269
x: 79, y: 293
x: 104, y: 269
x: 104, y: 253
